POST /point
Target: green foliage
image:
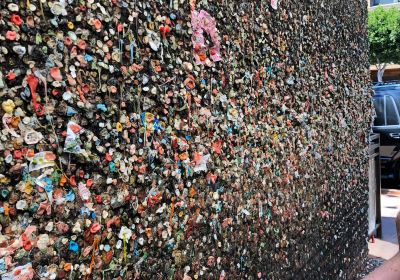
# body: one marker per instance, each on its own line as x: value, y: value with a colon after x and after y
x: 384, y: 35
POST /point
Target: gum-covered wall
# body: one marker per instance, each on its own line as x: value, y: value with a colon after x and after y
x: 183, y: 140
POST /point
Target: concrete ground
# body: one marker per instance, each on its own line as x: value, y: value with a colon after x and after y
x: 387, y: 246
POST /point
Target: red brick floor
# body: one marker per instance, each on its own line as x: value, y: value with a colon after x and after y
x: 387, y: 246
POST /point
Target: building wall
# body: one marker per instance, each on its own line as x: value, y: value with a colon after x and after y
x: 391, y: 73
x: 158, y: 161
x: 385, y: 3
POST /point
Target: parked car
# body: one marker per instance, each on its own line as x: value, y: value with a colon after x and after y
x: 387, y: 122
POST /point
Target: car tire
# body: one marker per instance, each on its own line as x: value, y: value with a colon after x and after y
x: 396, y: 174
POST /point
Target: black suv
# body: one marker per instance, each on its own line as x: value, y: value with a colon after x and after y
x: 387, y: 122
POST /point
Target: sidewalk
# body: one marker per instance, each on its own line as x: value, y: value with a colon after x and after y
x: 387, y: 247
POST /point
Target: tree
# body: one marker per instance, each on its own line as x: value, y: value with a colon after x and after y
x: 384, y: 37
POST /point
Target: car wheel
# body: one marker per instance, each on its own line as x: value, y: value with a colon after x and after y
x: 396, y: 174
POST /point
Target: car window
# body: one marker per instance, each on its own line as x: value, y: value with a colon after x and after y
x: 392, y: 117
x: 396, y: 98
x: 380, y: 112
